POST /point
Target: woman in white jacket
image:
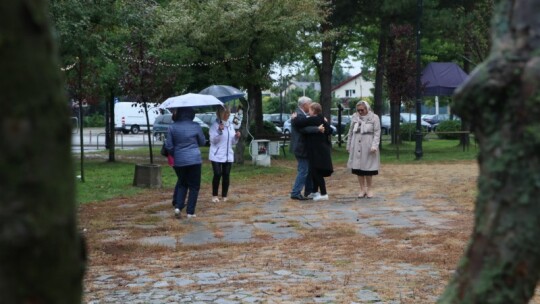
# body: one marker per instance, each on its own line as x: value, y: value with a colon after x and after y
x: 222, y: 138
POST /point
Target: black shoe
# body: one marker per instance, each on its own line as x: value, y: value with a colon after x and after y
x: 299, y: 197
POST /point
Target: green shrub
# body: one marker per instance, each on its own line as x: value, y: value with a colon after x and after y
x: 268, y: 129
x: 449, y: 126
x: 406, y: 131
x: 94, y: 121
x: 206, y: 132
x: 346, y: 129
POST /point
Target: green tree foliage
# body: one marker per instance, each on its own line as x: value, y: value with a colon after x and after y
x: 243, y: 37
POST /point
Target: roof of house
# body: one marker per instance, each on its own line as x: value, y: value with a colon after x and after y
x: 347, y: 81
x: 306, y: 84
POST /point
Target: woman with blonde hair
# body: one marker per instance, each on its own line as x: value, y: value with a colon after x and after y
x: 363, y: 147
x: 223, y: 137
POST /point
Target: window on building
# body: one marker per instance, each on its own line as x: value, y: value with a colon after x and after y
x: 350, y: 93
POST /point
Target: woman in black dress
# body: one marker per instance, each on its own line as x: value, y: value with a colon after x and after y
x: 319, y: 149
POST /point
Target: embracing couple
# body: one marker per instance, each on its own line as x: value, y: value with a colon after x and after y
x: 312, y: 148
x: 310, y: 143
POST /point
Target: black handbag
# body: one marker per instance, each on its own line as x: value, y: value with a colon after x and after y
x: 164, y: 151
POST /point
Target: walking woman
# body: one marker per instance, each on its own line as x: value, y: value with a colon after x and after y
x: 363, y: 147
x: 184, y: 137
x: 223, y: 137
x: 318, y: 147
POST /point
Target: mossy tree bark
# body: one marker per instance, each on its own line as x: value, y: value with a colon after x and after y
x: 502, y: 99
x: 41, y: 252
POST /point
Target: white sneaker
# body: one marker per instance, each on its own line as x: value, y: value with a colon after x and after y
x: 321, y: 198
x: 176, y: 211
x: 313, y: 195
x: 215, y: 199
x: 224, y: 199
x: 191, y: 215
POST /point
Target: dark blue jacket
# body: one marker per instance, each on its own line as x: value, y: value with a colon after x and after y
x: 184, y: 137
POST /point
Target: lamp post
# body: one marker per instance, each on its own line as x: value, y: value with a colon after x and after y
x: 418, y: 150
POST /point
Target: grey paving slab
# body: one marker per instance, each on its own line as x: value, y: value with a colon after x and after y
x: 236, y: 232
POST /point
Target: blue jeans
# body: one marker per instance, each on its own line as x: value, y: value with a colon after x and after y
x: 189, y: 180
x: 302, y: 178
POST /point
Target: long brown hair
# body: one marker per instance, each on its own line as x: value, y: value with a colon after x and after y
x: 317, y: 109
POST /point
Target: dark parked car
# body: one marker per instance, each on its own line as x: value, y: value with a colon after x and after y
x: 276, y: 119
x: 162, y: 122
x: 345, y: 120
x: 435, y: 119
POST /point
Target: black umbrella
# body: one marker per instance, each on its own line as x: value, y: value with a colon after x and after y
x: 223, y: 92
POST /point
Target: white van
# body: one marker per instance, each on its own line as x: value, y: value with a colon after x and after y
x: 130, y: 116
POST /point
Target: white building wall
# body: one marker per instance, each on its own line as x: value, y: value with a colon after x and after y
x: 360, y: 87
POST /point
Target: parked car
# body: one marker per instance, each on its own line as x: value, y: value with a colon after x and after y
x: 427, y: 117
x: 277, y: 118
x: 411, y: 118
x: 386, y: 125
x: 208, y: 117
x: 436, y: 119
x: 345, y: 120
x: 287, y: 127
x: 162, y: 122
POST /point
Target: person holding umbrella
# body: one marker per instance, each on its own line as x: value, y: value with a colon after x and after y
x: 184, y: 137
x: 222, y: 138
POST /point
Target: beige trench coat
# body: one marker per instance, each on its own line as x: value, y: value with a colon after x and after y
x: 359, y: 144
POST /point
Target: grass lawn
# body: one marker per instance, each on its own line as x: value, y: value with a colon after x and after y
x: 105, y: 180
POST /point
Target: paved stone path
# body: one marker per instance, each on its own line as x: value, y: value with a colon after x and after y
x: 277, y: 222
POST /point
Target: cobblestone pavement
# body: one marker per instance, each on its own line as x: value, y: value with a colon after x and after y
x: 262, y: 247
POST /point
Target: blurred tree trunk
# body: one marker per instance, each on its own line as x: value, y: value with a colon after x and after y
x: 241, y: 145
x: 379, y: 73
x: 41, y: 252
x: 325, y: 76
x: 502, y: 260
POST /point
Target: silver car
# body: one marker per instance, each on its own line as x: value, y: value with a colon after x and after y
x: 287, y: 127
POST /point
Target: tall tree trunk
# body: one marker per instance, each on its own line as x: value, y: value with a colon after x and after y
x: 502, y: 260
x: 255, y: 113
x: 112, y: 139
x: 379, y: 73
x: 325, y: 77
x: 465, y: 125
x: 395, y: 119
x: 41, y: 252
x: 241, y: 145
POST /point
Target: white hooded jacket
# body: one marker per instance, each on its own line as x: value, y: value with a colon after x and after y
x: 221, y: 142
